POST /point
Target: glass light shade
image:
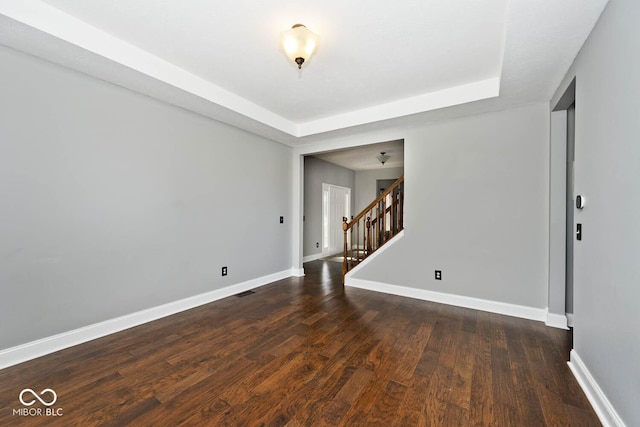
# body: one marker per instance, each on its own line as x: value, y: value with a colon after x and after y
x: 298, y: 42
x: 382, y: 158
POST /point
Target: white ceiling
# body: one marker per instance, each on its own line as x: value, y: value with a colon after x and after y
x: 377, y: 61
x: 365, y: 157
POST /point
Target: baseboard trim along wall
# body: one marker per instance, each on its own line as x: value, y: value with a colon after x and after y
x: 312, y: 257
x: 604, y: 409
x: 570, y: 320
x: 297, y: 272
x: 525, y: 312
x: 556, y: 320
x: 31, y: 350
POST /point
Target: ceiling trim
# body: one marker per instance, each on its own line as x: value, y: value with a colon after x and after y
x: 416, y: 104
x: 55, y: 23
x: 52, y: 21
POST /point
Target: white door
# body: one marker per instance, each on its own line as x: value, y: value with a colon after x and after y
x: 336, y: 202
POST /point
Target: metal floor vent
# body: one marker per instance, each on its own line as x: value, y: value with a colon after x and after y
x: 244, y: 294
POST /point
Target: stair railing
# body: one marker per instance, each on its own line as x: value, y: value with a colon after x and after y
x: 374, y: 226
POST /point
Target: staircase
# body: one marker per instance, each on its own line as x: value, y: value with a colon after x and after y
x: 374, y: 226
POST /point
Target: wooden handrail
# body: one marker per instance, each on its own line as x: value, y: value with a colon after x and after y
x: 384, y: 194
x: 373, y: 226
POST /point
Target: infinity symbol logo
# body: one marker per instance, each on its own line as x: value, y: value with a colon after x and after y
x: 42, y: 393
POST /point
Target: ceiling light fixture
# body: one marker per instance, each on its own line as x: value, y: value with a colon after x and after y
x: 298, y: 43
x: 383, y: 157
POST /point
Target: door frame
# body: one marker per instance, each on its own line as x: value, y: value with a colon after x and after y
x: 559, y: 229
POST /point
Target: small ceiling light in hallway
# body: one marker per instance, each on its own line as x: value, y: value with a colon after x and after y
x: 383, y: 157
x: 299, y: 43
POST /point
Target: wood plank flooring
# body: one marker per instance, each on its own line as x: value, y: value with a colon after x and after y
x: 307, y: 352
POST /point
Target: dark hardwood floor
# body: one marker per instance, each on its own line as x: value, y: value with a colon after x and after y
x: 306, y: 352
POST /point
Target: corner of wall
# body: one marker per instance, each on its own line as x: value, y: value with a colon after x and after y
x: 556, y: 320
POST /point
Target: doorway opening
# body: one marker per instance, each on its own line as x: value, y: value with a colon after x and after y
x: 561, y: 207
x: 381, y: 186
x: 570, y: 203
x: 354, y: 167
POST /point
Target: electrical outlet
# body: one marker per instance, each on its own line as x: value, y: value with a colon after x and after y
x: 281, y: 220
x: 224, y: 271
x: 317, y: 244
x: 438, y: 275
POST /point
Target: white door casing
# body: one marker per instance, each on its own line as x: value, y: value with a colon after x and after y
x: 336, y: 202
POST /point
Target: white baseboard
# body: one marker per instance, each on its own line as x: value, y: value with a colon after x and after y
x: 31, y: 350
x: 570, y: 320
x: 297, y: 272
x: 525, y: 312
x: 312, y: 257
x: 604, y: 409
x: 556, y: 320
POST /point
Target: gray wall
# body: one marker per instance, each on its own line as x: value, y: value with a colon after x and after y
x: 476, y: 208
x: 366, y: 191
x: 317, y: 172
x: 606, y: 294
x: 111, y: 202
